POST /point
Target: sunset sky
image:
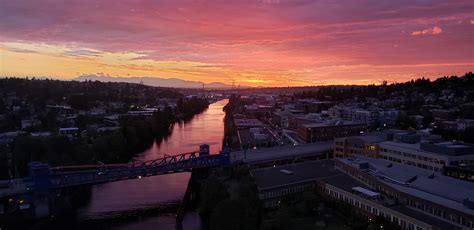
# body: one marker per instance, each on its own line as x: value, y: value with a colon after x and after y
x: 249, y: 42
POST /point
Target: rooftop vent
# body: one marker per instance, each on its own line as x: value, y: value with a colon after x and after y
x: 287, y: 172
x: 468, y: 203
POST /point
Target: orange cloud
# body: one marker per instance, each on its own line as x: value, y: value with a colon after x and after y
x: 263, y: 43
x: 430, y: 31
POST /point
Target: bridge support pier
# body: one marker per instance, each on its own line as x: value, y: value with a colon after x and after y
x: 41, y: 207
x: 40, y: 174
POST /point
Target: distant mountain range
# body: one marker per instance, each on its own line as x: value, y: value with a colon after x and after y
x: 154, y: 81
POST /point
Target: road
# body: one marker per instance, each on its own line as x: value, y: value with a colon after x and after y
x: 281, y: 152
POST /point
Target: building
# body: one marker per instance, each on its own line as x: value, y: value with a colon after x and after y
x: 415, y: 191
x: 342, y: 112
x: 253, y: 137
x: 244, y: 123
x: 366, y: 145
x: 9, y: 137
x: 280, y: 118
x: 288, y: 182
x: 406, y: 148
x: 388, y: 117
x: 370, y: 203
x: 313, y: 106
x: 464, y: 123
x: 325, y: 131
x: 372, y: 190
x: 30, y: 123
x: 70, y: 132
x: 60, y: 109
x: 461, y: 171
x: 367, y: 116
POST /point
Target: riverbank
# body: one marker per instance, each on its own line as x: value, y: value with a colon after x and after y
x: 135, y: 134
x: 131, y: 196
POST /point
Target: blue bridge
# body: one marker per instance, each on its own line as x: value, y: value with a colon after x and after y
x: 44, y: 179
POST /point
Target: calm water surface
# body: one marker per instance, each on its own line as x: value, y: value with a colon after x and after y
x: 128, y: 204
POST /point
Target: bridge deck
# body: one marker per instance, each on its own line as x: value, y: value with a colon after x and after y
x: 93, y: 174
x: 281, y: 153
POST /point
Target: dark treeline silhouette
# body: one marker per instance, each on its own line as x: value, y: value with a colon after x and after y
x: 135, y: 133
x: 119, y: 146
x: 383, y: 91
x: 82, y: 95
x: 233, y: 106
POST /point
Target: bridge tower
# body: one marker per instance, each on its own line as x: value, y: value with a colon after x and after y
x: 204, y: 150
x: 40, y: 175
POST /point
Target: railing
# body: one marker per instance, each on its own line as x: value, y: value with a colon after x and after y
x: 42, y: 177
x: 135, y: 169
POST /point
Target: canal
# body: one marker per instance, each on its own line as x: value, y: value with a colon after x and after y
x: 149, y: 203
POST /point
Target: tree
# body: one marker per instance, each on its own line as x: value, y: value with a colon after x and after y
x: 233, y: 214
x: 379, y: 222
x: 468, y: 135
x: 213, y: 191
x: 310, y: 202
x: 404, y: 121
x: 427, y: 119
x: 283, y: 218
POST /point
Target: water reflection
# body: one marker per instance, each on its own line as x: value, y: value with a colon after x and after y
x: 157, y: 196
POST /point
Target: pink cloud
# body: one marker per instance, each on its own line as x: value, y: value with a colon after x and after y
x: 264, y: 35
x: 430, y: 31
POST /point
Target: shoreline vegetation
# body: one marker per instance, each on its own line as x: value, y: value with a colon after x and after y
x: 132, y: 135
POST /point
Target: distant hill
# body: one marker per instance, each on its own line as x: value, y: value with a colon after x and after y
x: 154, y: 81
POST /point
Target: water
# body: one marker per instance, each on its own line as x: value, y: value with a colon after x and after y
x: 145, y: 203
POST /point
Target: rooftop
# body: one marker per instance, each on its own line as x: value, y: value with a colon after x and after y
x: 247, y: 122
x: 440, y: 148
x: 282, y: 152
x: 330, y: 123
x: 420, y: 183
x: 425, y: 218
x: 268, y: 178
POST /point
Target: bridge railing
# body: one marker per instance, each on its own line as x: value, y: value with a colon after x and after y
x: 42, y: 177
x: 168, y: 164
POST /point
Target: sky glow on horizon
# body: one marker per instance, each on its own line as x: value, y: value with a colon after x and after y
x: 249, y: 42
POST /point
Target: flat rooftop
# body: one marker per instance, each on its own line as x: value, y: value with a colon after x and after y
x: 282, y: 152
x: 425, y: 218
x: 247, y: 122
x: 325, y: 124
x: 415, y: 146
x: 420, y: 183
x: 444, y: 148
x: 268, y: 178
x: 344, y: 182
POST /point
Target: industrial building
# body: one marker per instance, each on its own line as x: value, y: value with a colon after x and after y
x: 328, y: 130
x: 417, y: 190
x: 407, y: 196
x: 408, y: 149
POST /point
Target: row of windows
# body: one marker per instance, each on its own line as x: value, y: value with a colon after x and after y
x: 413, y: 156
x: 440, y: 213
x: 460, y: 175
x: 411, y: 163
x: 367, y: 207
x: 286, y: 191
x: 395, y: 194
